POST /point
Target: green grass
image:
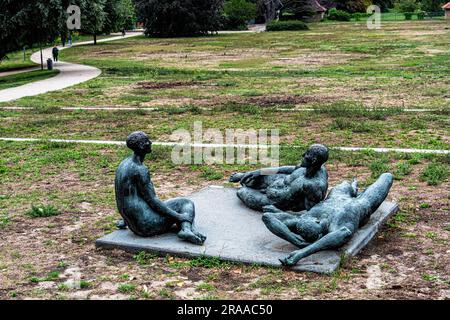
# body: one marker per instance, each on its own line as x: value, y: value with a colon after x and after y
x: 126, y: 288
x: 16, y: 61
x: 144, y: 258
x: 42, y: 211
x: 350, y: 59
x: 402, y: 169
x: 435, y: 173
x: 51, y: 276
x: 4, y: 220
x: 378, y: 167
x: 16, y: 80
x: 354, y: 87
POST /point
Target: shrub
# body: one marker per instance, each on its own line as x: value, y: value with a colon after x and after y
x: 339, y: 15
x: 237, y: 13
x: 353, y: 6
x: 42, y: 211
x: 406, y: 6
x: 408, y: 16
x: 171, y: 18
x: 358, y: 16
x: 292, y: 25
x: 420, y: 15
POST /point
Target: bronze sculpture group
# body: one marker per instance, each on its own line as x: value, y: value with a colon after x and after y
x: 294, y: 201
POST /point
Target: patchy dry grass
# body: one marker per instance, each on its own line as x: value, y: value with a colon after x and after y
x: 232, y: 81
x: 78, y: 180
x: 405, y: 64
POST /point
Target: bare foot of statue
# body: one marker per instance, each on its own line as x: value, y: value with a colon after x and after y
x: 236, y: 177
x: 121, y: 224
x: 189, y: 236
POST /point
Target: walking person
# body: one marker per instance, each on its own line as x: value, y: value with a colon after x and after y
x: 55, y: 53
x: 70, y: 39
x: 123, y: 32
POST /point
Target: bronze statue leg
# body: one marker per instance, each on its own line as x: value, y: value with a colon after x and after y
x: 253, y: 199
x: 187, y: 230
x: 332, y: 240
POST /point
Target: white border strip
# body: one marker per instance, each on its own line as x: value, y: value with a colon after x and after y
x: 206, y: 145
x: 162, y: 109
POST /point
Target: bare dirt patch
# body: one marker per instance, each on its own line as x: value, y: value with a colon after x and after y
x: 314, y: 59
x: 167, y: 85
x: 408, y: 259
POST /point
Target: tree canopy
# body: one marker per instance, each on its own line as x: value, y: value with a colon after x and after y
x: 31, y: 22
x: 28, y: 22
x: 168, y: 18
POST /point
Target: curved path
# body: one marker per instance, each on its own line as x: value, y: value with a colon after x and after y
x: 69, y: 74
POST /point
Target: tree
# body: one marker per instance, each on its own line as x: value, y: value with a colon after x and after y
x: 267, y: 10
x: 432, y: 5
x: 93, y: 17
x: 28, y: 22
x: 406, y: 6
x: 238, y: 12
x: 384, y: 5
x: 120, y: 14
x: 127, y: 15
x: 302, y: 9
x: 353, y: 6
x: 169, y: 18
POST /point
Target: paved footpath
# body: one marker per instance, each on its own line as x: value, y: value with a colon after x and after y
x: 69, y: 73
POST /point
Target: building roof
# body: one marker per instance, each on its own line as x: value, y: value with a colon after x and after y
x: 446, y: 6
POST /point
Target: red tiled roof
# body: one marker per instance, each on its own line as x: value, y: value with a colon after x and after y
x: 446, y: 6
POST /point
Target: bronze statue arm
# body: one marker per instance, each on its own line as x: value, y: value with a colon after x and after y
x: 286, y: 169
x: 149, y: 195
x: 332, y: 240
x: 275, y: 170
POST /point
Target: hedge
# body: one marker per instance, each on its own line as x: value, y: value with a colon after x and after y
x: 291, y: 25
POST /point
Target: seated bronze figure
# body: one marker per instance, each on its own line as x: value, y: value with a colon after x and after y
x: 136, y: 199
x: 331, y: 223
x: 291, y: 188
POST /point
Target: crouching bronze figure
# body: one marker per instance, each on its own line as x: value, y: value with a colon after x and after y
x: 142, y: 211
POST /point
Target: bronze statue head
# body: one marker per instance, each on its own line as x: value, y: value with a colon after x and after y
x: 139, y: 142
x: 315, y: 156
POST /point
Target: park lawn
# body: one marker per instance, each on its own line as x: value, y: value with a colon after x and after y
x: 334, y: 126
x: 403, y: 65
x: 19, y: 79
x: 77, y: 180
x: 16, y: 61
x: 232, y: 81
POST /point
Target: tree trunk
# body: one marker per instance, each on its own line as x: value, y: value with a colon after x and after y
x: 42, y: 58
